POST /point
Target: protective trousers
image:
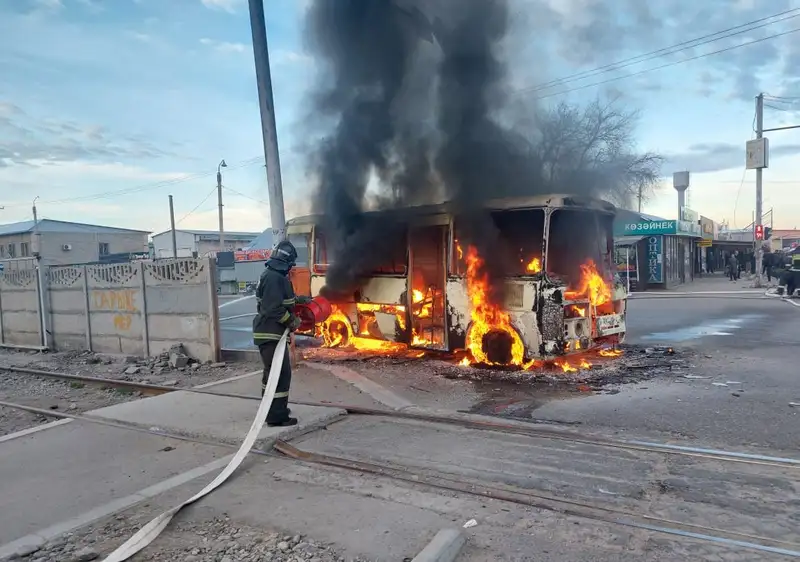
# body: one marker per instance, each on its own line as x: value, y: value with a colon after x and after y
x: 279, y: 410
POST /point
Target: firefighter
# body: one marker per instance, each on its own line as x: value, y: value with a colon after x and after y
x: 275, y: 300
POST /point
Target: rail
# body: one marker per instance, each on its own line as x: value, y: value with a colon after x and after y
x: 446, y: 482
x: 468, y: 423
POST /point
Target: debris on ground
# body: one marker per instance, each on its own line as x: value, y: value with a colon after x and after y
x: 636, y: 364
x: 77, y: 397
x: 215, y: 540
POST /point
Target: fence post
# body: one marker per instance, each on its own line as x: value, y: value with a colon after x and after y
x: 213, y: 312
x: 2, y: 329
x: 145, y: 331
x: 41, y: 307
x: 87, y: 309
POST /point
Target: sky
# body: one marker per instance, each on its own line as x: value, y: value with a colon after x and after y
x: 107, y: 107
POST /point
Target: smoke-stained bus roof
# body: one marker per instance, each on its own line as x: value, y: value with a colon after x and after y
x: 556, y: 201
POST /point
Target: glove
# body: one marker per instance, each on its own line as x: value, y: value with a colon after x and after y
x: 302, y: 299
x: 294, y: 323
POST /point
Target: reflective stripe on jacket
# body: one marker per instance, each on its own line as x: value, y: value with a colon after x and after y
x: 275, y: 300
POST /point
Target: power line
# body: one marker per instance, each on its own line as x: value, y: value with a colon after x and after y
x: 672, y: 49
x: 240, y: 194
x: 667, y: 65
x: 187, y: 215
x: 144, y: 187
x: 784, y: 99
x: 775, y: 107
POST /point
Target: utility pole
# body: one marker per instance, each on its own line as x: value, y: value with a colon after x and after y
x: 640, y: 197
x: 37, y: 238
x: 219, y: 204
x: 759, y: 171
x: 172, y: 227
x: 268, y: 127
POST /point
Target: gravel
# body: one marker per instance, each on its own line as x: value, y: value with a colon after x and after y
x: 74, y: 397
x: 214, y: 540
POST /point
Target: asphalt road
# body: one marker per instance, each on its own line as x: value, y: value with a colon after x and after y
x: 742, y: 341
x: 236, y: 322
x: 746, y: 352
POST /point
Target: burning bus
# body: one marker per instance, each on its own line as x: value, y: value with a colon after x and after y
x: 544, y: 288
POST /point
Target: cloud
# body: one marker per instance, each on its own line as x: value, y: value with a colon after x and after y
x: 594, y: 33
x: 713, y: 157
x: 26, y: 140
x: 224, y: 46
x: 283, y: 56
x: 139, y: 36
x: 47, y: 5
x: 229, y: 6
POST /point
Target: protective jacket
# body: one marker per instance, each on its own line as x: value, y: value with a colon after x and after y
x: 275, y: 299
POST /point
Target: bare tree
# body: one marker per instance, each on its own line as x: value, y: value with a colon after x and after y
x: 592, y: 150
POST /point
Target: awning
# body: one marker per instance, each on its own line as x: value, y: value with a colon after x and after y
x: 627, y: 240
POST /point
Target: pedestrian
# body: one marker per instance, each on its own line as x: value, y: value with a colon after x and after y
x: 275, y: 300
x: 733, y: 267
x: 766, y: 265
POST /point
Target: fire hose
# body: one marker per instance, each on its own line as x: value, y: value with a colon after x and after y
x: 152, y: 530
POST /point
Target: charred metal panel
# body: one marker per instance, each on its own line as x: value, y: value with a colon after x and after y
x: 520, y: 295
x: 457, y: 313
x: 514, y: 296
x: 550, y: 313
x: 610, y: 324
x: 526, y: 325
x: 383, y: 290
x: 317, y: 282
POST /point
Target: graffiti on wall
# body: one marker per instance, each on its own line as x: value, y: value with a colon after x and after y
x: 120, y: 301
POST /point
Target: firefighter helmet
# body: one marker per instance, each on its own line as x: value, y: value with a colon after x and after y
x: 283, y: 256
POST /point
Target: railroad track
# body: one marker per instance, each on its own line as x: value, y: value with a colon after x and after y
x: 468, y: 423
x: 470, y: 487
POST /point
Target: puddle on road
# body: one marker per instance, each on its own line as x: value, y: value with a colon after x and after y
x: 724, y: 327
x: 521, y: 401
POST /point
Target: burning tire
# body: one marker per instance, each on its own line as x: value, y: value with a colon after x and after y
x: 495, y: 346
x: 338, y: 334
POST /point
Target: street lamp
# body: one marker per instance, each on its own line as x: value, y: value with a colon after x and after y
x: 221, y: 165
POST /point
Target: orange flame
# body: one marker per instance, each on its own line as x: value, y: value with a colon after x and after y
x: 398, y: 310
x: 534, y: 266
x: 486, y: 317
x: 610, y: 352
x: 566, y: 367
x: 336, y: 330
x: 592, y: 286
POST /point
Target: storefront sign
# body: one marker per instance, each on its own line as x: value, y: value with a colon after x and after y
x: 706, y: 228
x: 705, y: 243
x: 689, y: 215
x: 686, y: 227
x: 655, y: 259
x: 648, y: 227
x: 251, y: 255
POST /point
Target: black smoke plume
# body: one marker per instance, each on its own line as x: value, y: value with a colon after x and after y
x: 413, y: 90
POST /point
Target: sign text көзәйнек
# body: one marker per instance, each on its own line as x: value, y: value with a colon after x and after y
x: 651, y: 227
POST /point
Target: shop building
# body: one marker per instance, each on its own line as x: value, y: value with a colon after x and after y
x: 653, y: 252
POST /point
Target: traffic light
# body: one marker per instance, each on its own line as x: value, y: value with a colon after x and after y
x: 759, y: 232
x: 767, y: 232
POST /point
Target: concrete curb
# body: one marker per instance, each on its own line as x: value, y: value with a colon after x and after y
x: 369, y: 387
x: 444, y: 547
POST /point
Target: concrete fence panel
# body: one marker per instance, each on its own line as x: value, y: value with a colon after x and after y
x: 67, y: 291
x: 116, y: 308
x: 137, y: 309
x: 20, y: 316
x: 181, y: 301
